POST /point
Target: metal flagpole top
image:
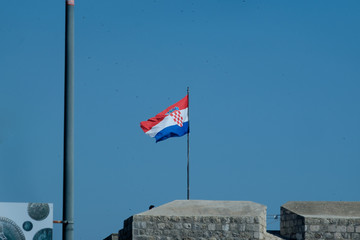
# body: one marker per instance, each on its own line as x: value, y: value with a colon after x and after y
x: 70, y: 2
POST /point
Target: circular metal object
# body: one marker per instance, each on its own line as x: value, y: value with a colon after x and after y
x: 38, y: 211
x: 27, y: 226
x: 43, y: 234
x: 9, y: 230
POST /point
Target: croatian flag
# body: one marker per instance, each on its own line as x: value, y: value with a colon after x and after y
x: 172, y: 122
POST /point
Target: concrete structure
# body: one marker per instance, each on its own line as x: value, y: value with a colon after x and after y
x: 320, y: 220
x: 197, y: 219
x: 240, y: 220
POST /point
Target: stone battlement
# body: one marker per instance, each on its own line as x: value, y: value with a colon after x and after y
x: 243, y: 220
x: 199, y: 219
x: 320, y: 220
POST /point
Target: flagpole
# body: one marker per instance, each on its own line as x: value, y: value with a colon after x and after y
x: 68, y: 185
x: 188, y: 146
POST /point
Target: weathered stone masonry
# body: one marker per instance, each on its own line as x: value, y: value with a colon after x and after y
x: 174, y: 227
x: 291, y: 224
x: 320, y: 220
x: 236, y: 220
x: 332, y: 228
x: 191, y: 220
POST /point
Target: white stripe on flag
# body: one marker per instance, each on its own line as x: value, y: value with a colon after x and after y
x: 167, y: 122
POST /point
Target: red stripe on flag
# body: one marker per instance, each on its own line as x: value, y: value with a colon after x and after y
x: 147, y: 125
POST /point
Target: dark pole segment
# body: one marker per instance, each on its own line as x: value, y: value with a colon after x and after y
x: 68, y: 185
x: 188, y: 149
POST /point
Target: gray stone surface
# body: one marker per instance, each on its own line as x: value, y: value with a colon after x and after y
x: 207, y: 208
x: 197, y: 219
x: 240, y: 220
x: 320, y: 220
x: 325, y: 209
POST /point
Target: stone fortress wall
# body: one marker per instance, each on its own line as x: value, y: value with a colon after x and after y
x: 320, y: 220
x: 242, y: 220
x: 191, y: 219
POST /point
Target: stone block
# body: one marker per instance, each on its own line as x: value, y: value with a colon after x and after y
x: 338, y: 235
x: 341, y: 229
x: 355, y: 236
x: 212, y: 227
x: 225, y: 227
x: 314, y: 228
x: 161, y: 225
x: 329, y: 235
x: 299, y: 236
x: 350, y: 229
x: 332, y: 228
x: 242, y: 227
x: 187, y: 225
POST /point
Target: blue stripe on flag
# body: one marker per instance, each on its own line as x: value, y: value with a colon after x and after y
x: 172, y: 131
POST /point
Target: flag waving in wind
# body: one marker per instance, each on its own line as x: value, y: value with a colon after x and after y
x: 172, y: 122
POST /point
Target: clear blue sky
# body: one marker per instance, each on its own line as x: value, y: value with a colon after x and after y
x: 274, y: 104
